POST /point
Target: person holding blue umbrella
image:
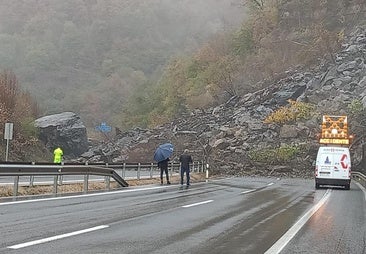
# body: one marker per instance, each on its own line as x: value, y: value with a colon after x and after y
x: 163, y: 165
x: 161, y: 155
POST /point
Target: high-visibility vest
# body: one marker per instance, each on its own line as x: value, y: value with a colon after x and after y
x: 58, y: 155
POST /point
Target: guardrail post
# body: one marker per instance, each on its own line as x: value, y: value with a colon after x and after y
x: 55, y: 180
x: 106, y: 178
x: 151, y: 170
x: 31, y: 181
x: 31, y: 178
x: 16, y: 186
x: 108, y: 182
x: 86, y: 182
x: 124, y: 170
x: 171, y: 169
x: 61, y: 176
x: 207, y: 166
x: 138, y: 171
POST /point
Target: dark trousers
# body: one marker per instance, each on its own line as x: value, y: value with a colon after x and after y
x: 182, y: 171
x: 162, y: 170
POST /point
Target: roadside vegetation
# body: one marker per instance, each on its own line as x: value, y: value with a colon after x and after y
x: 293, y: 112
x: 18, y: 107
x: 275, y: 156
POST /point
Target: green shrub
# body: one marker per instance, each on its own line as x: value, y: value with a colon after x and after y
x: 28, y: 128
x: 278, y: 155
x: 296, y: 110
x: 356, y: 107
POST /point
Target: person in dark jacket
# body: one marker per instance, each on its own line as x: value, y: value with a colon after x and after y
x: 185, y: 159
x: 163, y: 165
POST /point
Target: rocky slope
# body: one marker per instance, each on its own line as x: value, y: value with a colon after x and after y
x: 227, y: 135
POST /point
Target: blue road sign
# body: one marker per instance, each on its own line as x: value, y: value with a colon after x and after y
x: 103, y: 127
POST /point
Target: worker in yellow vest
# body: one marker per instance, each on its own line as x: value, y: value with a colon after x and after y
x: 58, y: 153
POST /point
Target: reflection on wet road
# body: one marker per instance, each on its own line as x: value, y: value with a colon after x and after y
x: 233, y: 215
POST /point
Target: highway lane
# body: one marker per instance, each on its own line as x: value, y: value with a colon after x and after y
x: 339, y: 227
x: 237, y: 215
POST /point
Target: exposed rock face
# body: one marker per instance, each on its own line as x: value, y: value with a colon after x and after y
x: 225, y: 135
x: 65, y: 130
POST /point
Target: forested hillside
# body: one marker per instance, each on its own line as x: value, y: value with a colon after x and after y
x: 87, y: 56
x: 279, y: 36
x: 144, y: 62
x: 19, y: 108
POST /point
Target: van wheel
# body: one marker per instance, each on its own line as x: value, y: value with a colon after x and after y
x: 347, y: 187
x: 317, y: 186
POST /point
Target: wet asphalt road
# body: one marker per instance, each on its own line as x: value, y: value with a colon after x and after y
x: 237, y: 215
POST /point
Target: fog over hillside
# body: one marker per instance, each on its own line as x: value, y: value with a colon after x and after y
x: 87, y: 56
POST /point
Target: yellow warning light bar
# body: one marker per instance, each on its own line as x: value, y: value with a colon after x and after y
x: 334, y: 141
x: 334, y: 127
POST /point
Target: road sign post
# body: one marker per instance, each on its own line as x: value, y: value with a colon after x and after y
x: 8, y: 135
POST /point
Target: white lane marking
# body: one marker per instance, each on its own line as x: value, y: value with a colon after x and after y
x: 195, y: 204
x: 82, y: 196
x: 248, y: 191
x: 57, y: 237
x: 362, y: 188
x: 286, y: 238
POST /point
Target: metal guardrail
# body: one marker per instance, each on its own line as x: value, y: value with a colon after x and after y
x: 358, y: 176
x: 58, y: 171
x: 107, y: 170
x: 196, y: 166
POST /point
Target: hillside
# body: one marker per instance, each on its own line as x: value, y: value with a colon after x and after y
x: 225, y: 99
x: 276, y: 36
x: 272, y: 131
x: 89, y: 56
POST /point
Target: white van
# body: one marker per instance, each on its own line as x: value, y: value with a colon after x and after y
x: 333, y: 167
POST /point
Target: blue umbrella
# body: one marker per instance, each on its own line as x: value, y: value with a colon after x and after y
x: 163, y: 152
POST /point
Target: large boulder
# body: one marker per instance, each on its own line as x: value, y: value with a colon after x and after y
x: 65, y: 130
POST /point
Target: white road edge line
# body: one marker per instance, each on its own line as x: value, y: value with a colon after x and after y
x: 286, y: 238
x: 248, y: 191
x: 362, y: 188
x: 57, y: 237
x: 195, y: 204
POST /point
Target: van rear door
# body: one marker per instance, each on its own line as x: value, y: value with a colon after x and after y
x: 333, y: 166
x: 326, y: 164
